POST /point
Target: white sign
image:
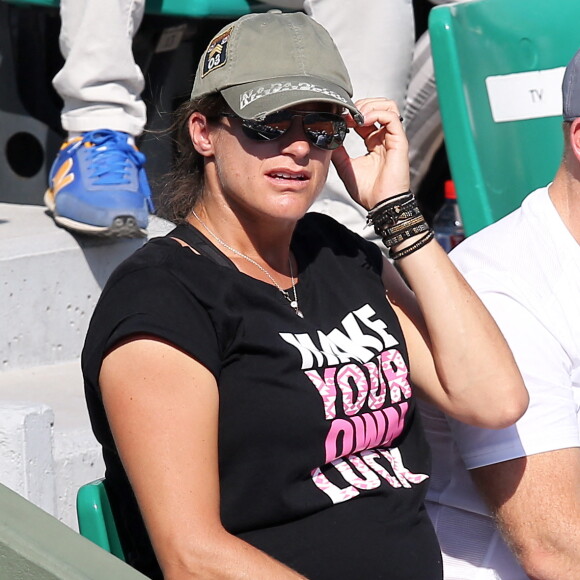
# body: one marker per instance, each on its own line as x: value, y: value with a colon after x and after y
x: 527, y: 95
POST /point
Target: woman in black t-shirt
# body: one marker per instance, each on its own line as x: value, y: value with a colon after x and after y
x: 252, y: 386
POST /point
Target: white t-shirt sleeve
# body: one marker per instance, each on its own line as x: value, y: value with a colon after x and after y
x: 550, y: 421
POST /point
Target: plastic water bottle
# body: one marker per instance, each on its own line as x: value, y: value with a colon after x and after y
x: 447, y: 221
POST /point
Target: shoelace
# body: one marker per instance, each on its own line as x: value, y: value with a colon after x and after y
x: 111, y: 159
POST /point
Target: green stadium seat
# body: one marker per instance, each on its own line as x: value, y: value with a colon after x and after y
x: 502, y: 133
x: 181, y: 8
x: 95, y: 518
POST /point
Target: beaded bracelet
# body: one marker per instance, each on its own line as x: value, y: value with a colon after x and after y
x: 413, y: 247
x: 384, y: 222
x: 397, y: 219
x: 409, y: 230
x: 392, y: 210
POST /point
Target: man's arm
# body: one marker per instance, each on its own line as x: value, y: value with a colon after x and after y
x: 536, y: 501
x: 530, y: 473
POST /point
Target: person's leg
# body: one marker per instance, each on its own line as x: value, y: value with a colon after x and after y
x: 375, y: 39
x: 97, y: 183
x: 100, y: 83
x: 422, y: 116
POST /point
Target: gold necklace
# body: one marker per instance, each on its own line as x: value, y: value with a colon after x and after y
x: 293, y: 302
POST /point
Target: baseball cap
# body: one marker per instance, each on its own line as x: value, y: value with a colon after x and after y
x: 571, y: 89
x: 265, y: 62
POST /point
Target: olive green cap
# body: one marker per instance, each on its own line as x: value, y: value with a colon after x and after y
x: 262, y: 63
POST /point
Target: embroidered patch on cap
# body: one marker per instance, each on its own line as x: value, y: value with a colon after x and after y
x: 217, y: 53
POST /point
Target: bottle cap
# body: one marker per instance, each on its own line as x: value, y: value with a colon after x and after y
x: 449, y: 189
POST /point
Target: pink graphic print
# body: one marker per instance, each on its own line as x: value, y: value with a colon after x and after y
x: 326, y: 390
x: 351, y: 402
x: 364, y: 387
x: 397, y: 377
x: 368, y: 464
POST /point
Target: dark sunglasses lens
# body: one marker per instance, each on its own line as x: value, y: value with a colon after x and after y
x: 272, y: 127
x: 261, y: 132
x: 325, y: 130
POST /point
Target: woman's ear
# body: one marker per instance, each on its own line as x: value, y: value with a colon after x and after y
x: 201, y: 134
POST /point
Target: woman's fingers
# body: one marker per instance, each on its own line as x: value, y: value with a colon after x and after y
x: 384, y: 170
x: 378, y: 110
x: 382, y: 127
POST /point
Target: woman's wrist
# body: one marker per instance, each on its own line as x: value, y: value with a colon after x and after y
x: 398, y: 221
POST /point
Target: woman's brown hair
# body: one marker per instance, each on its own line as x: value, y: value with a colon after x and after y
x: 183, y: 185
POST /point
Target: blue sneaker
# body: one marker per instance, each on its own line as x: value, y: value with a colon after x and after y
x: 97, y: 186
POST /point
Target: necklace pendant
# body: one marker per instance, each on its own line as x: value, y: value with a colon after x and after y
x: 294, y: 304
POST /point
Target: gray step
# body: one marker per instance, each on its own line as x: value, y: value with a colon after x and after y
x: 49, y: 283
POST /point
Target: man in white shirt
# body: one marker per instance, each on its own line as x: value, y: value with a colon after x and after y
x: 526, y: 269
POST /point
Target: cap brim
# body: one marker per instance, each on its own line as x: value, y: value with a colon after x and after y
x: 257, y: 99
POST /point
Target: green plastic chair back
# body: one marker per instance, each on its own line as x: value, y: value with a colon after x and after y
x: 495, y: 164
x: 199, y: 8
x: 95, y: 518
x: 186, y: 8
x: 52, y: 3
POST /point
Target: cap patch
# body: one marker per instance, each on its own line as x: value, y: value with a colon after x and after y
x: 216, y: 54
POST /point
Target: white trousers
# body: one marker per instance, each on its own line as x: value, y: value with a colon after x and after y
x: 100, y: 83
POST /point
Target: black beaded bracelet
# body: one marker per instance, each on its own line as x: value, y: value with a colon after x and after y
x: 394, y: 199
x: 410, y: 230
x: 389, y: 212
x: 400, y: 227
x: 413, y: 247
x: 397, y: 219
x: 385, y: 222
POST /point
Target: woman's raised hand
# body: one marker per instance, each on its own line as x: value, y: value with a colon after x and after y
x: 384, y: 171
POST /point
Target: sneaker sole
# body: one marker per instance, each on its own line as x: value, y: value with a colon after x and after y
x: 123, y: 226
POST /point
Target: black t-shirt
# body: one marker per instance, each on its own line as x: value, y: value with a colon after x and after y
x: 322, y: 459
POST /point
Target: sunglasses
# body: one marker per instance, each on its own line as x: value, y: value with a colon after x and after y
x: 325, y: 130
